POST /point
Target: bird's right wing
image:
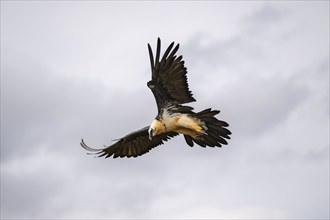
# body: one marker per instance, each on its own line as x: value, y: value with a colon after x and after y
x: 132, y: 145
x: 169, y: 77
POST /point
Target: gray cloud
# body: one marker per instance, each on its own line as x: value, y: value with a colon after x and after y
x: 66, y: 75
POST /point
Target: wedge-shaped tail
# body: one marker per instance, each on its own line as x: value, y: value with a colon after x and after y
x: 216, y: 132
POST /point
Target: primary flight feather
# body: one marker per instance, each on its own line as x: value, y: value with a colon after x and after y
x: 170, y: 88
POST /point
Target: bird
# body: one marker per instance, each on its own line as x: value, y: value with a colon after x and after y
x: 169, y: 86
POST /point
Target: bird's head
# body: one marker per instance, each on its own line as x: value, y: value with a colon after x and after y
x: 156, y: 128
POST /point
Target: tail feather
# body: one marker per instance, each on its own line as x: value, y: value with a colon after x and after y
x: 219, y: 130
x: 199, y: 142
x: 215, y: 130
x: 208, y: 140
x: 189, y: 140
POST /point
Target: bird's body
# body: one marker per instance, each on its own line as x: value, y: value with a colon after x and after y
x: 178, y: 122
x: 170, y: 88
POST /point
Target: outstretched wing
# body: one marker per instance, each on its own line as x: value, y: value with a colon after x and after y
x: 132, y: 145
x: 169, y: 77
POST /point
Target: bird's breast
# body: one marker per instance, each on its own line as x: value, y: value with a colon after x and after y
x: 182, y: 123
x: 170, y: 120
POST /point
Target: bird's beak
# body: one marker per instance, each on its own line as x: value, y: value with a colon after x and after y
x: 150, y: 133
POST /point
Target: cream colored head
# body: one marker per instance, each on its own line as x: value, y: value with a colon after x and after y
x: 156, y: 128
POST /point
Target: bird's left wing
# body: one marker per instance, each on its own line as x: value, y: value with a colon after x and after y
x: 132, y: 145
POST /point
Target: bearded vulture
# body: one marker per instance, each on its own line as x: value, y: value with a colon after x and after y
x: 170, y: 88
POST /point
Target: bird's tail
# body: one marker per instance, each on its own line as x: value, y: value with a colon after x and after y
x: 214, y: 132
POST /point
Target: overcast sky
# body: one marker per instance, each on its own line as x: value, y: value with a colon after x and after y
x: 72, y: 70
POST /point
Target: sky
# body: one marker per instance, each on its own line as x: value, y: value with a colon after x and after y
x: 78, y: 69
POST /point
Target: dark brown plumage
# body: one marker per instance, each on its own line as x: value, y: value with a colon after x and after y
x: 170, y: 88
x: 169, y: 77
x: 132, y: 145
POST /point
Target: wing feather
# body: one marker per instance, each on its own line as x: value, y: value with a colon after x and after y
x: 169, y: 77
x: 158, y: 51
x: 132, y: 145
x: 152, y: 62
x: 167, y: 52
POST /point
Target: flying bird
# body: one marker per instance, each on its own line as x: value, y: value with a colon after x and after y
x: 170, y: 88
